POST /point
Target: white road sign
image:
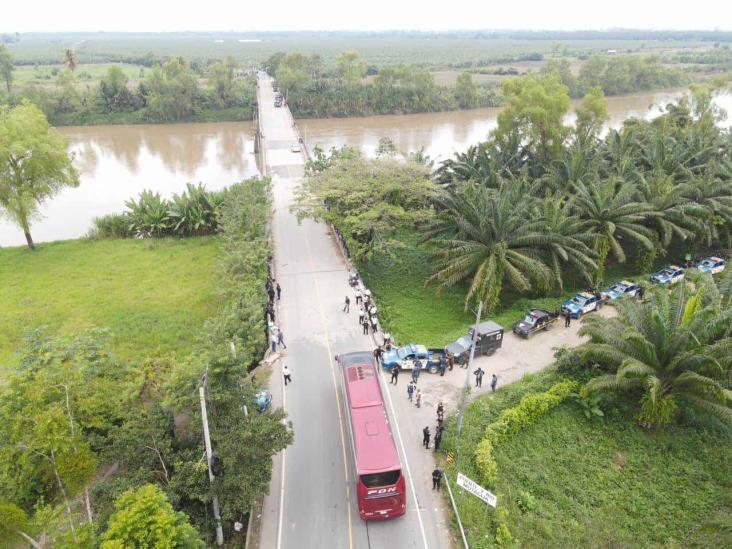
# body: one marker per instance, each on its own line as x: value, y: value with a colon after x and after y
x: 476, y: 489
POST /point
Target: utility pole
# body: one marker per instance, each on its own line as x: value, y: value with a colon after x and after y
x: 466, y: 386
x: 207, y: 441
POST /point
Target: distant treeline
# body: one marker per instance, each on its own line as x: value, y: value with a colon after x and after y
x: 170, y: 93
x: 615, y: 75
x: 313, y: 92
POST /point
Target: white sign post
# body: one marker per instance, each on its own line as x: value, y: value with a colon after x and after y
x: 476, y: 489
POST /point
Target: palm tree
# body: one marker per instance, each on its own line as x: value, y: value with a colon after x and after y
x: 489, y: 236
x: 610, y: 211
x: 676, y: 349
x: 571, y: 247
x: 70, y: 59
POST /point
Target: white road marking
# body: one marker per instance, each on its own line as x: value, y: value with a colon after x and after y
x: 282, y: 477
x: 404, y: 453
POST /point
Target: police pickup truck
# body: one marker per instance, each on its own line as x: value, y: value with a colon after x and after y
x: 404, y: 357
x: 535, y: 320
x: 582, y: 303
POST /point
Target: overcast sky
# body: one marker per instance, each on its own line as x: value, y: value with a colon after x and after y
x: 158, y: 15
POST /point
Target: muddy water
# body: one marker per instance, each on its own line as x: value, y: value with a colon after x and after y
x: 442, y: 134
x: 117, y: 162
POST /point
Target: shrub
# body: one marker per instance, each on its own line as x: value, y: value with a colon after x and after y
x: 515, y: 419
x: 111, y: 226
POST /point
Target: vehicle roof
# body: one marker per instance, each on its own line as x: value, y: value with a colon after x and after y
x: 372, y: 438
x: 537, y: 313
x: 488, y: 327
x: 415, y: 348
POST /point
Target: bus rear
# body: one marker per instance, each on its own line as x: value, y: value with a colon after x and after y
x: 381, y: 495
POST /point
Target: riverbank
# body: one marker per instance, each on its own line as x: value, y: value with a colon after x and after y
x: 135, y: 288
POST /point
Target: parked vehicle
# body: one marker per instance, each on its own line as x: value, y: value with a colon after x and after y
x: 489, y: 338
x: 263, y: 400
x: 619, y: 289
x: 404, y: 357
x: 460, y: 349
x: 582, y: 303
x: 713, y: 265
x: 535, y: 320
x: 295, y: 147
x: 668, y: 275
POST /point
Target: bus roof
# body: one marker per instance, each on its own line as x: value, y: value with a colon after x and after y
x: 372, y: 439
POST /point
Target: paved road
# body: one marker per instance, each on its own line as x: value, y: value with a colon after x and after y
x: 312, y: 502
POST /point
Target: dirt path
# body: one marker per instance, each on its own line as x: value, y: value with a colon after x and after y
x: 516, y: 358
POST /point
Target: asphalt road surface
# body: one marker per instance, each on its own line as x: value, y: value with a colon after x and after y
x: 312, y: 500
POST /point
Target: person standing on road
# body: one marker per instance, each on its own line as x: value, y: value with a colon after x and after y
x: 450, y: 361
x: 418, y: 398
x: 273, y: 341
x: 436, y: 478
x: 361, y: 315
x: 394, y: 374
x: 438, y: 439
x: 494, y: 382
x: 416, y: 370
x: 443, y: 365
x: 440, y: 411
x: 347, y: 305
x: 286, y: 374
x: 567, y: 319
x: 426, y: 437
x: 279, y: 291
x: 359, y: 298
x: 365, y: 325
x: 479, y: 376
x: 281, y: 338
x: 410, y: 391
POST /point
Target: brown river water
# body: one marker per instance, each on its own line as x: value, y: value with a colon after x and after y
x: 117, y: 162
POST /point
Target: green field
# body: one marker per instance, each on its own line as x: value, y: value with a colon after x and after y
x: 570, y: 482
x: 85, y: 74
x: 380, y: 49
x: 152, y: 295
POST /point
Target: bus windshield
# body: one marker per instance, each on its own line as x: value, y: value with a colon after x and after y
x: 385, y: 478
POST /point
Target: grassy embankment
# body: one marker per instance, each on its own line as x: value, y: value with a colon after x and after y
x: 567, y: 481
x: 415, y: 312
x: 152, y: 295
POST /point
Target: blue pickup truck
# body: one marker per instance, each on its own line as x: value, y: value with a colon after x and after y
x: 404, y: 357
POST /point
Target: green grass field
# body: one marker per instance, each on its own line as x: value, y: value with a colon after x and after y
x: 85, y: 74
x: 151, y: 294
x: 598, y: 483
x: 417, y: 313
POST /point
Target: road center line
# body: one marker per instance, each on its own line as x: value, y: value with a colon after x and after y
x: 282, y: 476
x: 335, y: 388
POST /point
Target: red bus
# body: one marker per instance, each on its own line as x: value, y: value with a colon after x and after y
x: 380, y: 486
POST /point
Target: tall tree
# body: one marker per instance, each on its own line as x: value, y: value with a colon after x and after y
x: 535, y: 108
x: 675, y: 349
x: 34, y: 164
x: 6, y: 67
x: 350, y: 68
x: 70, y: 59
x: 591, y: 116
x: 466, y: 94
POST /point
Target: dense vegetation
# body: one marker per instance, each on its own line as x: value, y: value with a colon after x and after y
x: 593, y: 482
x: 171, y: 91
x: 81, y: 428
x: 129, y: 287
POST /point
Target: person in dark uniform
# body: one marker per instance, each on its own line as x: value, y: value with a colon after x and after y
x: 567, y: 319
x: 440, y: 411
x: 347, y: 305
x: 436, y: 478
x: 365, y: 325
x: 394, y: 374
x: 438, y: 439
x: 279, y: 291
x: 426, y: 437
